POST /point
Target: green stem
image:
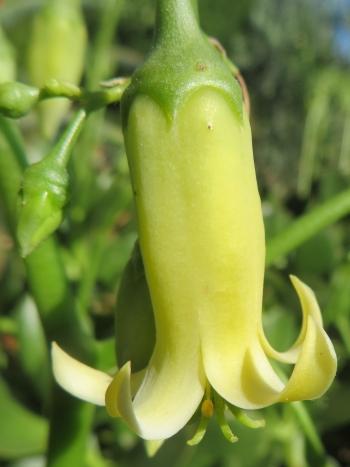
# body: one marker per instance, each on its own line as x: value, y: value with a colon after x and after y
x: 176, y: 19
x: 308, y: 427
x: 63, y: 148
x: 90, y: 100
x: 97, y: 100
x: 307, y: 226
x: 300, y: 411
x: 10, y: 182
x: 14, y: 139
x: 55, y: 88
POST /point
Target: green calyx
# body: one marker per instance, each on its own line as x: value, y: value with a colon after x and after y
x: 181, y: 61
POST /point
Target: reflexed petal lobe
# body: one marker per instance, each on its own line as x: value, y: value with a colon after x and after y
x: 78, y: 379
x: 167, y: 398
x: 315, y: 367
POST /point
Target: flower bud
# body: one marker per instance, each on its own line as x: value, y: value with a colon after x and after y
x: 56, y: 50
x: 17, y: 99
x: 44, y: 189
x: 41, y: 201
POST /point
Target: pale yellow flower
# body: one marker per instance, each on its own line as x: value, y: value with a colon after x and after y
x: 202, y: 241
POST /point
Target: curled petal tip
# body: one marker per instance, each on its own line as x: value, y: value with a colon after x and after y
x: 307, y: 299
x: 315, y: 368
x: 316, y: 361
x: 78, y: 379
x: 119, y: 390
x: 258, y: 385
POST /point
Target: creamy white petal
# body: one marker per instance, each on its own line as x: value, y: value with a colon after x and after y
x: 288, y: 356
x: 309, y: 308
x: 78, y: 379
x: 260, y: 385
x: 250, y: 381
x: 307, y: 299
x: 165, y: 401
x: 316, y: 363
x: 315, y: 368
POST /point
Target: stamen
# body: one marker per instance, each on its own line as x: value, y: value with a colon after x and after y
x: 207, y: 411
x: 243, y: 418
x: 225, y: 428
x: 207, y: 408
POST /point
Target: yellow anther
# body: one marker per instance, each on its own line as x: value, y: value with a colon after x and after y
x: 207, y: 408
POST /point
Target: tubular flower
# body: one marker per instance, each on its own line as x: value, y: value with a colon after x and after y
x: 202, y: 242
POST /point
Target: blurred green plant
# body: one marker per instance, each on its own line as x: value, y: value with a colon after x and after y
x: 300, y: 119
x: 330, y: 96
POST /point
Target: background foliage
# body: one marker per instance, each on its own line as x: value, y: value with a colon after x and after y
x: 295, y: 57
